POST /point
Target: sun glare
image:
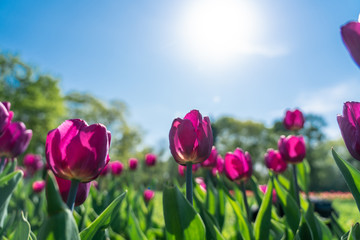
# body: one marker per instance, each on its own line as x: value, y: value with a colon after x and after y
x: 216, y: 31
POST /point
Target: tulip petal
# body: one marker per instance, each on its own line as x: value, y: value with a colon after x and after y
x: 195, y: 117
x: 186, y: 137
x: 350, y: 33
x: 348, y: 134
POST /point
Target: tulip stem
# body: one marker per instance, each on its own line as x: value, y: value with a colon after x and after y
x: 242, y: 186
x: 72, y: 194
x: 189, y: 183
x: 2, y: 163
x: 297, y: 198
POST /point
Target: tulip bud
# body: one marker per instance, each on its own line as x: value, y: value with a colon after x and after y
x: 5, y: 116
x: 133, y: 163
x: 82, y: 191
x: 238, y: 165
x: 201, y: 182
x: 33, y: 163
x: 150, y: 159
x: 219, y: 168
x: 191, y: 138
x: 116, y: 167
x: 292, y: 148
x: 148, y: 195
x: 294, y: 120
x: 210, y: 162
x: 38, y: 186
x: 14, y: 140
x: 350, y: 128
x: 350, y: 34
x: 274, y: 161
x: 77, y: 151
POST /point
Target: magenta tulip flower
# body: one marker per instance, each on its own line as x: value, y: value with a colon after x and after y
x: 116, y: 167
x: 105, y: 170
x: 191, y: 138
x: 14, y: 140
x: 274, y: 161
x: 5, y: 116
x: 294, y: 120
x: 148, y: 195
x: 292, y: 148
x: 350, y: 128
x: 77, y: 151
x: 181, y: 169
x: 33, y: 163
x: 219, y: 168
x: 350, y: 34
x: 38, y: 186
x: 238, y: 165
x: 82, y: 191
x: 201, y: 182
x: 150, y: 159
x: 210, y: 162
x: 133, y: 163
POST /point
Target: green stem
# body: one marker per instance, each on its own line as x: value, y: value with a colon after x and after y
x: 242, y: 186
x: 72, y: 193
x: 297, y: 192
x: 2, y: 163
x: 189, y: 183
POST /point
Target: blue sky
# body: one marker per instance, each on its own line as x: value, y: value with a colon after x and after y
x: 247, y: 59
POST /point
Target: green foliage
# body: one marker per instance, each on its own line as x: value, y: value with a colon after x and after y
x: 23, y: 229
x: 263, y: 219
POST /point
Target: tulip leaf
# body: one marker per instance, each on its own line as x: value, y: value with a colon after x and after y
x: 304, y: 231
x: 60, y: 223
x: 133, y: 228
x: 220, y: 214
x: 353, y: 233
x: 181, y: 219
x: 255, y: 188
x: 211, y: 198
x: 263, y: 219
x: 303, y: 173
x: 23, y: 229
x: 7, y: 186
x: 104, y: 219
x: 351, y: 175
x: 289, y: 205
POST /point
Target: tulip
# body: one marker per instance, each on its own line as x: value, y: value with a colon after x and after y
x: 292, y: 148
x: 150, y: 159
x: 77, y: 151
x: 210, y: 162
x: 5, y: 116
x: 201, y: 182
x: 191, y: 138
x: 219, y: 168
x: 294, y: 120
x: 95, y: 184
x: 14, y: 140
x: 38, y: 186
x: 274, y: 161
x: 65, y: 187
x: 263, y: 189
x: 182, y: 168
x: 33, y: 163
x: 350, y: 128
x: 116, y: 167
x: 148, y: 195
x: 350, y: 34
x: 238, y: 165
x: 133, y: 163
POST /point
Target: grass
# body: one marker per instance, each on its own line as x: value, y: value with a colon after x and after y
x: 348, y: 212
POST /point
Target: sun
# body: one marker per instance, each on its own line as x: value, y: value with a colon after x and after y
x: 218, y: 31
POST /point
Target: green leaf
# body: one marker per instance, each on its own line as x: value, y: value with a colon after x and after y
x: 289, y: 205
x: 351, y: 175
x: 60, y: 223
x: 262, y: 223
x: 104, y: 219
x: 211, y: 198
x: 303, y: 173
x: 220, y: 213
x: 353, y: 234
x: 304, y: 231
x: 23, y: 229
x: 7, y: 186
x: 181, y: 219
x: 313, y: 225
x: 134, y: 229
x: 255, y: 188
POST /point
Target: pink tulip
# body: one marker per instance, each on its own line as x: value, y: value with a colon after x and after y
x: 210, y: 162
x: 150, y: 159
x: 350, y: 128
x: 33, y: 163
x: 238, y: 165
x: 133, y: 163
x: 14, y: 140
x: 350, y: 34
x: 78, y: 151
x: 116, y: 167
x: 263, y: 189
x: 5, y: 116
x: 292, y: 148
x: 148, y: 195
x: 82, y: 191
x: 201, y: 182
x: 294, y: 120
x: 191, y: 138
x: 274, y: 161
x: 38, y: 186
x: 181, y: 169
x: 219, y: 166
